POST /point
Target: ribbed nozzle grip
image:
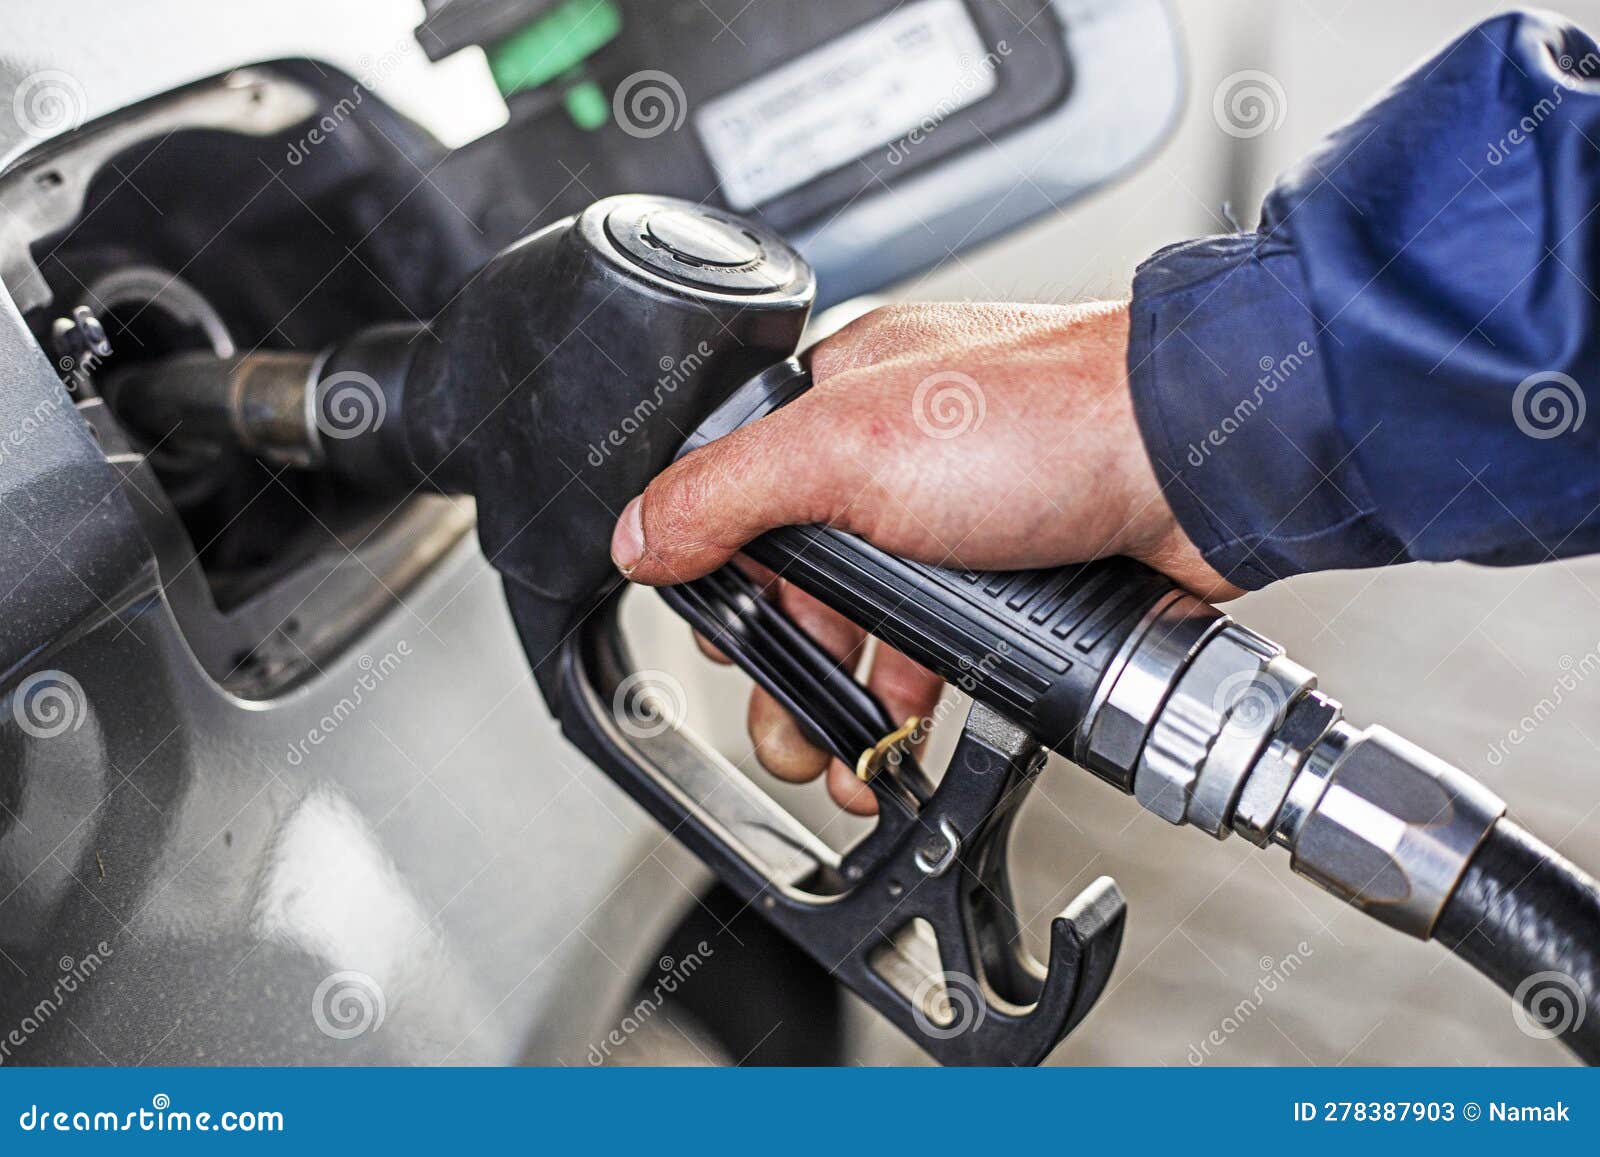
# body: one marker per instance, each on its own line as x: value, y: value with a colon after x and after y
x: 1031, y: 644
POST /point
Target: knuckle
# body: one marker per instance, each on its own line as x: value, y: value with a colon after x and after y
x: 675, y: 504
x: 868, y: 340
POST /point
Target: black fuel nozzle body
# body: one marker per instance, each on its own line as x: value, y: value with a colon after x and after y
x: 566, y: 373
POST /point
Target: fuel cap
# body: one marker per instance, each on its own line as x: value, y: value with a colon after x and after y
x: 697, y: 247
x: 700, y: 240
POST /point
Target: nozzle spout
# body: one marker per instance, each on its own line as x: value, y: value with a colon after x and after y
x: 340, y: 410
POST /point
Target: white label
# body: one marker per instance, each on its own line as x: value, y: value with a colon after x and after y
x: 885, y: 83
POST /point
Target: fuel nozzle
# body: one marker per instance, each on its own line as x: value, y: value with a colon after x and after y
x: 558, y: 381
x: 335, y: 410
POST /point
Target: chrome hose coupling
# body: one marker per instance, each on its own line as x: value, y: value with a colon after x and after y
x: 1207, y: 723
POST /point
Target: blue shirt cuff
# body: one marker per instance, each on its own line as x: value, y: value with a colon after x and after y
x: 1231, y: 397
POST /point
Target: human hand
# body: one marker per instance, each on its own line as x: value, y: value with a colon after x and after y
x: 996, y: 437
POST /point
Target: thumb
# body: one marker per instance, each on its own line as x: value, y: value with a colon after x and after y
x: 698, y: 512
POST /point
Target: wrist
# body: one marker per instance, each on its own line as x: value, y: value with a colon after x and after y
x: 1146, y: 526
x: 1155, y: 535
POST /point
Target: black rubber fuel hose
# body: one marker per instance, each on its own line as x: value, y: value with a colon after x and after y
x: 1529, y: 919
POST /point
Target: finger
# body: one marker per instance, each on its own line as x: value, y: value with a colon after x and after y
x: 836, y: 634
x: 906, y: 687
x: 698, y: 512
x: 763, y: 578
x: 849, y: 792
x: 780, y: 745
x: 710, y: 649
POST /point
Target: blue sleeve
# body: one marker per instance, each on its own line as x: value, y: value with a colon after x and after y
x: 1396, y: 365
